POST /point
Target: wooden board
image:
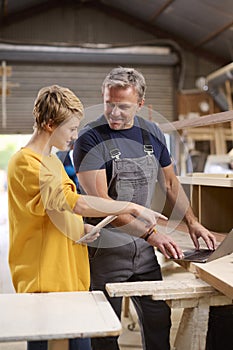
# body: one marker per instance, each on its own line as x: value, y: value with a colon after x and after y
x: 41, y: 316
x: 163, y: 290
x: 219, y: 180
x: 218, y: 273
x: 210, y: 119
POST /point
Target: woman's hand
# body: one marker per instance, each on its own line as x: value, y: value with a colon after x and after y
x: 149, y: 216
x: 87, y: 229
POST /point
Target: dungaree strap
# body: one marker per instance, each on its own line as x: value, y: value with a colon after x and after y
x: 148, y: 148
x: 115, y: 152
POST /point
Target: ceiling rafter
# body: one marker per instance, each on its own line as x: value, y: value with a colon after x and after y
x: 4, y: 7
x: 160, y: 10
x: 213, y: 35
x: 20, y: 15
x: 8, y: 19
x: 152, y: 29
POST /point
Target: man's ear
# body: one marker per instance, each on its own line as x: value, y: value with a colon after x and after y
x: 141, y: 104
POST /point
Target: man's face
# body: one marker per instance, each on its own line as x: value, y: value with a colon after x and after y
x: 120, y: 106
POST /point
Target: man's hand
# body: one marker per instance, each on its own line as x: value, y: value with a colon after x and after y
x: 196, y: 230
x: 166, y: 245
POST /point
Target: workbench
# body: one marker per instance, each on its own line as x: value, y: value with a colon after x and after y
x: 210, y: 284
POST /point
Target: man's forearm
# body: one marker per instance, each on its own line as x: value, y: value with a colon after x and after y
x: 131, y: 225
x: 180, y: 202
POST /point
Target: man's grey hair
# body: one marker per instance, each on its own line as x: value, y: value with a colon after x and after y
x: 125, y: 77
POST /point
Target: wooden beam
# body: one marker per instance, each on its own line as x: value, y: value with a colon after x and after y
x: 228, y: 93
x: 210, y: 119
x: 32, y: 10
x: 160, y: 10
x: 213, y: 35
x: 4, y: 8
x: 166, y: 290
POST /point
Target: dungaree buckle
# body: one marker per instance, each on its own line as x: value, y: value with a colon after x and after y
x: 148, y: 149
x: 115, y: 153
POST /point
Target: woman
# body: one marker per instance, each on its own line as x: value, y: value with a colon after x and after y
x: 45, y: 211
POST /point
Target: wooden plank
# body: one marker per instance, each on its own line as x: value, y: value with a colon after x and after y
x: 39, y: 316
x: 208, y: 180
x: 210, y: 119
x: 215, y: 300
x: 218, y: 273
x: 166, y: 290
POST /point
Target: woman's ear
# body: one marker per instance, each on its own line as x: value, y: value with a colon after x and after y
x: 49, y: 126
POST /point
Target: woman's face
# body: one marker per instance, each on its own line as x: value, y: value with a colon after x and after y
x: 63, y: 135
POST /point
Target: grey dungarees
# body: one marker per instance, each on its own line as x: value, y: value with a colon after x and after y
x: 121, y: 257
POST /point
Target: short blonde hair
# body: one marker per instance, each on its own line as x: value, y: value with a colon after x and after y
x: 55, y: 104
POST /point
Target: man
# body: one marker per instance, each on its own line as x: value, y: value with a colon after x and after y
x: 66, y: 157
x: 120, y: 156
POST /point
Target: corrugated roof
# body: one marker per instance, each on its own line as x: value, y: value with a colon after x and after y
x: 203, y: 26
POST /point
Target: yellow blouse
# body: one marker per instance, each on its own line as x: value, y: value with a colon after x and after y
x: 43, y: 227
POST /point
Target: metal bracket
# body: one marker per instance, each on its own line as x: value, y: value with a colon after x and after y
x: 115, y: 153
x: 148, y: 149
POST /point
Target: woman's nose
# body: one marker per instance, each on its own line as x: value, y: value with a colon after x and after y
x: 75, y: 135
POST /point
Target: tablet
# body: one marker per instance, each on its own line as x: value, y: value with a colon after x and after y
x: 97, y: 228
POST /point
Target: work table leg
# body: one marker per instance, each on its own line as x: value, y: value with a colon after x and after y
x: 193, y: 327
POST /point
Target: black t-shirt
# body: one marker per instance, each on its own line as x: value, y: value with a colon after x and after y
x: 92, y: 149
